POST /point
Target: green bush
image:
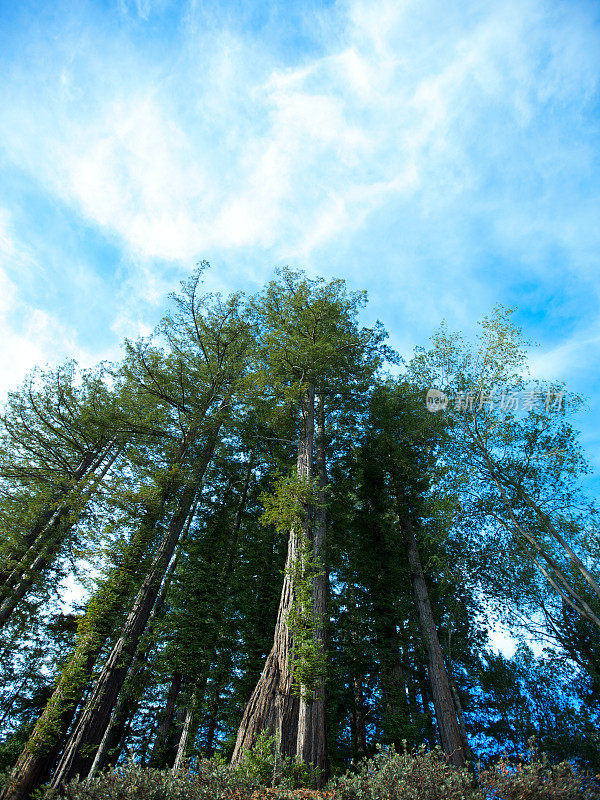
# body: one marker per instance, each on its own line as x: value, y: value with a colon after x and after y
x: 419, y: 775
x: 206, y: 781
x: 535, y: 779
x: 423, y: 775
x: 264, y: 766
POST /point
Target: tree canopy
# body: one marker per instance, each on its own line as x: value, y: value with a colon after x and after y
x: 252, y: 532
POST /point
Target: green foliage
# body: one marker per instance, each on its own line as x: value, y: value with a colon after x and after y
x: 287, y: 505
x: 536, y: 779
x: 289, y: 508
x: 309, y: 662
x: 423, y: 775
x: 265, y: 766
x: 207, y: 779
x: 525, y: 697
x: 417, y: 775
x: 247, y: 366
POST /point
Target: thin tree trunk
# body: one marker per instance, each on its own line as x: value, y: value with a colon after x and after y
x: 145, y: 745
x: 456, y: 697
x: 411, y: 693
x: 165, y: 727
x: 53, y: 536
x: 116, y: 735
x: 8, y: 706
x: 397, y: 702
x: 53, y: 512
x: 186, y: 730
x: 124, y: 697
x: 213, y: 718
x: 428, y: 715
x: 237, y: 520
x: 52, y: 726
x: 311, y: 745
x: 393, y: 683
x: 556, y: 577
x: 360, y: 728
x: 188, y: 718
x: 87, y: 735
x: 461, y: 717
x: 46, y: 519
x: 359, y: 732
x: 438, y: 678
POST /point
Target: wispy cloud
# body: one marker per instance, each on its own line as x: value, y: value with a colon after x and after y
x: 443, y: 155
x: 29, y: 335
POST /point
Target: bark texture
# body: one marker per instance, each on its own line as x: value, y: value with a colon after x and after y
x: 273, y: 705
x: 443, y: 702
x: 311, y: 747
x: 125, y: 698
x: 51, y: 729
x: 165, y: 728
x: 90, y: 728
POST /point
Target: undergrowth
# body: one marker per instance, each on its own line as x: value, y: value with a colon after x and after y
x: 416, y: 775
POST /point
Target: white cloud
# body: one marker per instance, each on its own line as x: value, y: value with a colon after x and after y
x: 571, y: 356
x: 30, y: 336
x: 253, y: 154
x: 445, y: 133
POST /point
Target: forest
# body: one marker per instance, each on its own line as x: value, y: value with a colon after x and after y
x: 249, y: 560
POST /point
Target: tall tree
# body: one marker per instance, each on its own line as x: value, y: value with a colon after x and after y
x: 207, y: 344
x: 515, y: 452
x: 400, y: 444
x: 311, y: 345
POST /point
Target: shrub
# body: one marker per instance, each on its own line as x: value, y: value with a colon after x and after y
x: 419, y: 775
x: 263, y: 766
x: 423, y: 775
x: 535, y: 779
x: 207, y: 780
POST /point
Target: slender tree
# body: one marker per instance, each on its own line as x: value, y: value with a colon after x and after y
x: 58, y: 441
x: 209, y: 346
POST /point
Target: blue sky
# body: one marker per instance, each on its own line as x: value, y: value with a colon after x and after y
x: 445, y: 156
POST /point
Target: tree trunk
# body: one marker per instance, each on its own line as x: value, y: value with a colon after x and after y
x: 274, y: 687
x: 360, y: 729
x: 34, y: 765
x: 393, y: 683
x: 93, y: 721
x: 186, y: 727
x: 438, y: 678
x: 43, y: 550
x: 394, y: 691
x: 125, y: 696
x: 213, y: 718
x: 47, y: 518
x: 51, y: 728
x: 165, y: 727
x: 311, y: 745
x: 186, y: 730
x: 273, y: 705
